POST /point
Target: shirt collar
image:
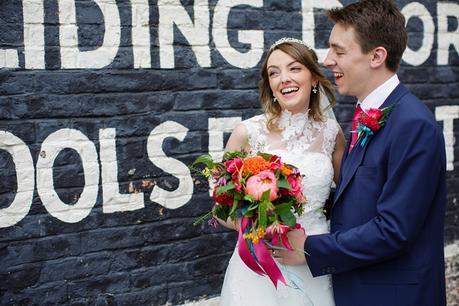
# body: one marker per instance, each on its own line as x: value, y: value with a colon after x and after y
x: 377, y: 97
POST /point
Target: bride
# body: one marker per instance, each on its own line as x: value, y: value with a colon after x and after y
x: 296, y: 127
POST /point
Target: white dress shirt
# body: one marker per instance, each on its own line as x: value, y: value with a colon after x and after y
x: 377, y: 97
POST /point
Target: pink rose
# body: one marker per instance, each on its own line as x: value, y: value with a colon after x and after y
x: 257, y: 184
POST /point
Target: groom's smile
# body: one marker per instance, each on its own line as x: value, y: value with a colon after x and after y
x: 350, y: 66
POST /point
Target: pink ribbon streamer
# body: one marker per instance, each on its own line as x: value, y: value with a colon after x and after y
x: 244, y: 251
x: 263, y: 264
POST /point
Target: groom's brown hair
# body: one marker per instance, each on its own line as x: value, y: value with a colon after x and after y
x: 377, y: 23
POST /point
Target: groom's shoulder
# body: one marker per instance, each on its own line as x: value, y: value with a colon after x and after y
x: 410, y: 107
x: 411, y: 115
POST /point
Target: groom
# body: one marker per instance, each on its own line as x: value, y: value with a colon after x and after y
x: 386, y: 242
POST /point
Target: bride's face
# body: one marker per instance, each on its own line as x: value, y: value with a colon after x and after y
x: 290, y: 81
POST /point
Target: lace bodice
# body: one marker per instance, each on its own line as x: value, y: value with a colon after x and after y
x: 305, y: 143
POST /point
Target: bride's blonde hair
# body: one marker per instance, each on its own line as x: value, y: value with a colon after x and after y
x: 308, y: 58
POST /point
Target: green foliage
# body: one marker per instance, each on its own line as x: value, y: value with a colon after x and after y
x: 233, y: 154
x: 285, y: 213
x: 202, y: 218
x: 266, y: 156
x: 283, y: 183
x: 205, y: 160
x: 225, y: 188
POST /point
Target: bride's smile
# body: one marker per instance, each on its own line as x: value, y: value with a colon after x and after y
x: 290, y: 81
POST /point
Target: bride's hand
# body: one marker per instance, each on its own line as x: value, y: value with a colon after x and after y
x: 297, y: 256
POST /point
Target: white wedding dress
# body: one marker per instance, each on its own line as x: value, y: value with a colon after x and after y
x: 309, y: 145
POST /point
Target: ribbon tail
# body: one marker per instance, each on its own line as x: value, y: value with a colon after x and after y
x: 268, y: 264
x: 244, y: 251
x: 368, y: 133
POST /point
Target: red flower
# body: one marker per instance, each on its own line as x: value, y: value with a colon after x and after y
x: 237, y: 182
x: 375, y: 113
x: 297, y: 188
x: 233, y: 165
x: 275, y: 162
x: 222, y: 199
x: 371, y: 121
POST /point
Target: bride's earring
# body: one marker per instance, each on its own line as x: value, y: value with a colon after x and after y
x: 274, y: 99
x: 314, y: 89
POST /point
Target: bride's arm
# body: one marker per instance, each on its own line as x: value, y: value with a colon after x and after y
x: 340, y: 146
x: 237, y: 142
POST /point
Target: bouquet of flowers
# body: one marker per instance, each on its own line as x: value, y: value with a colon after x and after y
x: 264, y: 194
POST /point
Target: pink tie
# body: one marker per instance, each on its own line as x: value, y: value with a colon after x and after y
x: 355, y: 123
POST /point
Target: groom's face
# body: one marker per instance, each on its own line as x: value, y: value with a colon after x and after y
x: 350, y: 66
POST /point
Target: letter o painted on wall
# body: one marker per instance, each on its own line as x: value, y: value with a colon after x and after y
x: 51, y: 147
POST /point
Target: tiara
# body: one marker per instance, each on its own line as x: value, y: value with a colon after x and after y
x: 288, y: 40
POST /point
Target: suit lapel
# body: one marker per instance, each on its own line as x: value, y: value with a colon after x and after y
x: 352, y: 160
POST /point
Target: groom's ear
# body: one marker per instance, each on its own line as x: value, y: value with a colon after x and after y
x: 378, y: 57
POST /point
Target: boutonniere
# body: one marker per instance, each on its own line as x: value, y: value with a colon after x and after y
x: 370, y: 122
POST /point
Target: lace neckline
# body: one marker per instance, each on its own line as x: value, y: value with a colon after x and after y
x: 297, y: 133
x: 294, y: 126
x: 288, y: 119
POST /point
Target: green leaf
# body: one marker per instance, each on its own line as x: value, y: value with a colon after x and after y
x: 233, y: 209
x: 286, y: 215
x: 221, y: 213
x: 205, y: 159
x: 283, y: 183
x: 233, y: 154
x: 249, y: 198
x: 282, y: 207
x: 249, y: 213
x: 202, y: 218
x: 253, y: 206
x: 225, y: 188
x: 266, y: 156
x: 265, y: 195
x: 262, y: 217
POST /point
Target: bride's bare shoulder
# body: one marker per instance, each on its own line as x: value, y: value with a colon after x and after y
x: 238, y: 141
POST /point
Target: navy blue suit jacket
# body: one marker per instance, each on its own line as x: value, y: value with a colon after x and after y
x: 386, y: 242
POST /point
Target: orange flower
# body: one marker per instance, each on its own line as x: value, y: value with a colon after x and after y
x: 254, y: 165
x: 255, y: 235
x: 286, y: 171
